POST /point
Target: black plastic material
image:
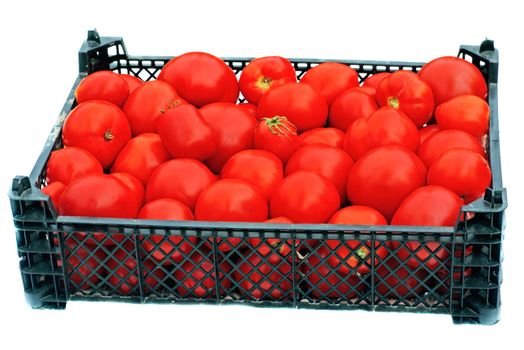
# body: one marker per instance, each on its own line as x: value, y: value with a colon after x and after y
x: 67, y: 258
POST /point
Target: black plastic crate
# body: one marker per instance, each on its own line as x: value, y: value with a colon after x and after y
x: 71, y: 258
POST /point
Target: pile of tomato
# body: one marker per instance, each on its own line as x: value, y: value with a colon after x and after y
x: 401, y: 148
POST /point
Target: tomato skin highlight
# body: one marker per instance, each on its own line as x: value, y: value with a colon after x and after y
x: 103, y: 85
x: 469, y: 113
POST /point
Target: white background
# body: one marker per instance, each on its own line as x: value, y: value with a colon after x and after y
x: 38, y: 53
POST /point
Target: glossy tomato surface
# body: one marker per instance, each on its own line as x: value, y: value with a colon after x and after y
x: 67, y: 164
x: 351, y: 105
x: 327, y: 136
x: 278, y: 136
x: 103, y: 85
x: 469, y: 113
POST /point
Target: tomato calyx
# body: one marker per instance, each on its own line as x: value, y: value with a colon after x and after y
x: 173, y: 103
x: 362, y: 253
x: 394, y: 102
x: 280, y: 126
x: 108, y: 135
x: 264, y: 83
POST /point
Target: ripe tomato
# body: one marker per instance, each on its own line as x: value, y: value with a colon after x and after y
x: 426, y: 132
x: 445, y: 140
x: 305, y: 197
x: 383, y: 177
x: 83, y: 265
x: 103, y: 85
x: 167, y: 249
x: 134, y: 185
x: 450, y: 77
x: 400, y: 282
x: 466, y: 112
x: 201, y: 78
x: 351, y: 105
x: 179, y: 179
x: 330, y: 162
x: 146, y: 104
x: 327, y: 136
x: 299, y: 103
x: 358, y: 215
x: 131, y: 81
x: 374, y: 80
x: 278, y: 136
x: 387, y: 126
x: 406, y: 91
x: 99, y: 127
x: 463, y: 171
x: 250, y: 108
x: 261, y: 168
x: 141, y: 156
x: 67, y: 164
x: 329, y: 79
x: 196, y: 278
x: 233, y: 128
x: 54, y: 191
x: 185, y: 134
x: 265, y: 73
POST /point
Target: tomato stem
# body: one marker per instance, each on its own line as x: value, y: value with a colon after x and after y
x: 264, y: 83
x: 279, y: 125
x: 108, y: 136
x: 394, y: 102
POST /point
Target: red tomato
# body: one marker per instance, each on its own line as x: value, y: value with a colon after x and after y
x: 83, y: 265
x: 131, y: 81
x: 382, y: 178
x: 273, y: 244
x: 358, y: 215
x: 329, y: 79
x: 450, y: 77
x: 466, y: 112
x: 147, y: 103
x: 299, y: 103
x: 280, y: 220
x: 250, y: 108
x: 201, y: 78
x: 305, y: 197
x: 134, y: 185
x: 233, y: 128
x: 103, y: 85
x: 179, y: 179
x: 387, y: 126
x: 351, y: 105
x: 444, y: 140
x: 141, y: 156
x: 265, y: 73
x: 67, y: 164
x: 327, y: 136
x: 426, y: 132
x: 463, y: 171
x: 404, y: 90
x: 167, y: 249
x: 261, y: 168
x: 278, y: 136
x: 400, y: 282
x: 185, y: 134
x: 54, y: 191
x: 374, y: 80
x: 330, y: 162
x: 196, y: 278
x: 98, y: 127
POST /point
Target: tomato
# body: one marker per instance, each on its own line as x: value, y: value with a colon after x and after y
x: 426, y: 132
x: 167, y: 249
x: 463, y: 171
x: 400, y: 281
x: 233, y: 128
x: 382, y: 178
x: 330, y: 162
x: 329, y: 79
x: 185, y: 134
x: 358, y: 215
x: 278, y: 136
x: 427, y: 206
x: 201, y: 78
x: 444, y: 140
x: 98, y: 127
x: 264, y: 275
x: 103, y: 85
x: 351, y: 105
x: 196, y: 277
x: 250, y: 108
x: 299, y: 103
x: 270, y: 244
x: 134, y: 185
x: 327, y: 136
x: 387, y: 126
x: 265, y: 73
x: 54, y: 191
x: 406, y: 91
x: 147, y: 103
x: 374, y: 80
x: 67, y: 164
x: 325, y: 280
x: 305, y: 197
x: 466, y: 112
x: 179, y: 179
x: 450, y: 77
x: 261, y: 168
x: 123, y: 276
x: 83, y: 265
x: 131, y: 81
x: 141, y: 156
